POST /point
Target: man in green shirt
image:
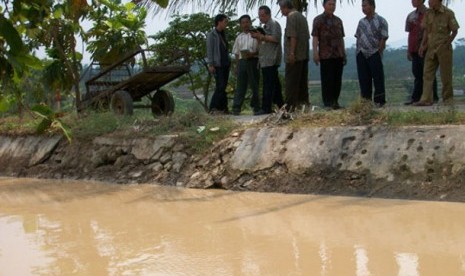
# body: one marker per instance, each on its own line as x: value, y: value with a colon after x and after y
x: 296, y: 50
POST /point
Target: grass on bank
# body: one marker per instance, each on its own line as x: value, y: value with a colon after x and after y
x: 362, y: 113
x: 189, y: 122
x: 200, y: 130
x: 194, y: 127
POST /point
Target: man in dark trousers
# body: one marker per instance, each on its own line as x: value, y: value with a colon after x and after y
x: 245, y: 50
x: 329, y: 52
x: 371, y: 34
x: 296, y: 50
x: 219, y: 63
x: 269, y: 55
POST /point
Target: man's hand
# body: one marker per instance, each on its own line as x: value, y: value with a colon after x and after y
x: 291, y: 58
x: 421, y: 51
x: 211, y: 69
x: 256, y: 35
x: 316, y: 58
x: 382, y: 46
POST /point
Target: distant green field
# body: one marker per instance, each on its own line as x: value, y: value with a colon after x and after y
x: 397, y: 91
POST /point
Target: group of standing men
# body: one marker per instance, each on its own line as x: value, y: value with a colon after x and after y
x: 253, y: 50
x: 431, y: 32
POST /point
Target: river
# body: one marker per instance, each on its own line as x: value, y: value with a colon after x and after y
x: 50, y: 227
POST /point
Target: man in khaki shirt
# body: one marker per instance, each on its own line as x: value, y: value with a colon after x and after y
x: 440, y: 28
x: 296, y: 50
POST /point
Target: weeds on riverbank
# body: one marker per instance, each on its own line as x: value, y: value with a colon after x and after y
x: 195, y: 127
x: 365, y: 113
x: 18, y: 126
x: 418, y: 117
x: 190, y: 123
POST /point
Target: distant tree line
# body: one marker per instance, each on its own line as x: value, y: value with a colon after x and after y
x: 396, y: 65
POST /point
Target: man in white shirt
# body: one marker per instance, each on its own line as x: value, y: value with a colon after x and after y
x: 246, y: 51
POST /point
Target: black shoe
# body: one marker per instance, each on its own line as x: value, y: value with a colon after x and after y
x: 336, y: 107
x: 327, y: 107
x: 420, y: 103
x: 409, y: 103
x: 236, y: 113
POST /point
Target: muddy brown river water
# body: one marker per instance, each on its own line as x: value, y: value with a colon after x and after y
x: 50, y: 227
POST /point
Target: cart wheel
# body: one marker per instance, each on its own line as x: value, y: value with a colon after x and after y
x: 162, y: 103
x: 121, y: 103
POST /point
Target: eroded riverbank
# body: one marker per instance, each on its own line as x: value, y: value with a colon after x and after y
x: 424, y: 162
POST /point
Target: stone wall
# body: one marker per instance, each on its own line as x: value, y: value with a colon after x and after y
x: 121, y: 160
x: 426, y: 162
x: 383, y: 151
x: 337, y: 160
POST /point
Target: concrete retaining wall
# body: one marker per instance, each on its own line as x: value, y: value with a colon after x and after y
x: 382, y: 151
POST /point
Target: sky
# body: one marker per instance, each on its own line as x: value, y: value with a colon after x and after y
x: 394, y: 11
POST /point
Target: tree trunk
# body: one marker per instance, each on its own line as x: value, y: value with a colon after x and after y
x: 206, y: 90
x: 71, y: 66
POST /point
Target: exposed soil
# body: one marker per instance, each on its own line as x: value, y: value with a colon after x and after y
x: 330, y: 181
x: 327, y: 182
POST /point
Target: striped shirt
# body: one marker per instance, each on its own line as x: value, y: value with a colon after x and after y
x: 244, y: 42
x: 370, y: 31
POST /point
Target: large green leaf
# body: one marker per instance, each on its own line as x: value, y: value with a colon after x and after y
x: 129, y: 6
x: 50, y: 121
x: 11, y: 35
x: 43, y: 126
x: 16, y: 64
x: 30, y: 61
x: 43, y: 111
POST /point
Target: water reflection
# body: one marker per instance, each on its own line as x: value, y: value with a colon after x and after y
x: 361, y: 260
x: 408, y: 263
x: 59, y: 228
